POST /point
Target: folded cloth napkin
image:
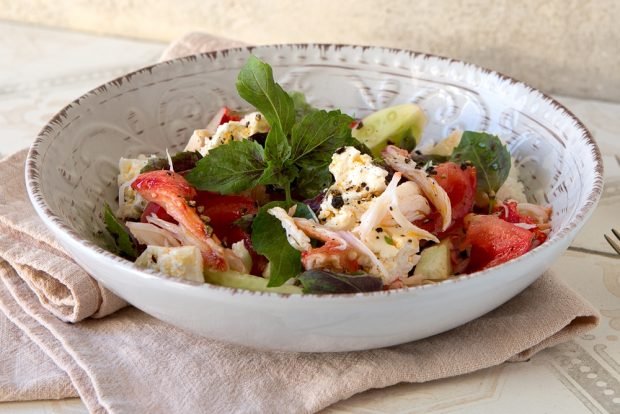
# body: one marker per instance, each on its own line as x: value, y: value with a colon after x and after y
x: 55, y: 343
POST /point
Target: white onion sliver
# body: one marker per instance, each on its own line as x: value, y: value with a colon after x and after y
x: 169, y: 160
x: 402, y: 221
x: 378, y: 209
x: 526, y: 226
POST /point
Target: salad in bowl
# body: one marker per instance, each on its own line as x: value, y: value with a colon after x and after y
x: 294, y: 199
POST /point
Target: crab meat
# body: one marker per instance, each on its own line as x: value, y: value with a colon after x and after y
x: 172, y: 192
x: 399, y: 160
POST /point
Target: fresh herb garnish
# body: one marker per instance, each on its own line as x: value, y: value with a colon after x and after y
x: 230, y: 168
x: 181, y: 161
x: 293, y: 150
x: 269, y: 239
x: 124, y: 244
x: 490, y: 157
x: 322, y: 281
x: 389, y: 240
x: 302, y: 108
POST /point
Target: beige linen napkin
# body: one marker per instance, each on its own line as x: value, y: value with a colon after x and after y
x: 130, y: 362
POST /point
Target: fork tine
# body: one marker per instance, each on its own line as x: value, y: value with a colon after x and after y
x: 616, y: 233
x: 612, y: 243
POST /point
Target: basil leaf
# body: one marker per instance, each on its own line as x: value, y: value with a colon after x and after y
x: 124, y: 243
x: 181, y: 161
x: 302, y: 108
x: 312, y: 180
x: 255, y: 84
x: 277, y: 148
x: 490, y: 157
x: 360, y: 146
x: 315, y: 138
x: 322, y: 281
x: 230, y: 168
x: 269, y: 239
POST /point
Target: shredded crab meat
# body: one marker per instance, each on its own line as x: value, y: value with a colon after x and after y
x: 186, y: 238
x: 296, y: 238
x: 377, y: 210
x: 151, y: 235
x: 386, y: 203
x: 399, y: 160
x: 409, y: 227
x: 320, y: 232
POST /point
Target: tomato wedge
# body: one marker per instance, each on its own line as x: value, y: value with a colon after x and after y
x: 494, y: 241
x: 223, y: 211
x: 460, y: 184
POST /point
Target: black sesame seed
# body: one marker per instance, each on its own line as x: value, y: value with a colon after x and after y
x: 360, y: 125
x: 379, y: 230
x: 340, y: 150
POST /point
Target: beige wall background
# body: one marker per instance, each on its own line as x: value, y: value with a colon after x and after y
x: 566, y: 47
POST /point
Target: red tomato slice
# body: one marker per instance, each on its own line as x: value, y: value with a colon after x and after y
x: 494, y: 241
x: 460, y: 184
x: 222, y: 116
x: 223, y: 210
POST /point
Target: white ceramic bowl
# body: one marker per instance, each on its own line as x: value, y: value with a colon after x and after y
x: 72, y: 167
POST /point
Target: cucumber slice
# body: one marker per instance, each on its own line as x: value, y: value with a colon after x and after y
x: 238, y: 280
x: 401, y: 125
x: 435, y: 263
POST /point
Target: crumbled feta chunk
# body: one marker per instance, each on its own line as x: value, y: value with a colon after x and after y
x: 357, y: 182
x: 130, y: 203
x: 397, y: 251
x: 203, y: 140
x: 183, y: 262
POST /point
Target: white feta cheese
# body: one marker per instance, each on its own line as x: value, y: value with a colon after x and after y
x: 130, y: 203
x: 397, y: 251
x: 203, y: 140
x: 183, y: 262
x: 357, y: 182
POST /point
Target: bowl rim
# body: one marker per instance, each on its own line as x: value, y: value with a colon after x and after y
x: 58, y: 225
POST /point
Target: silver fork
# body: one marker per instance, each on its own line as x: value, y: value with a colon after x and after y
x: 614, y: 245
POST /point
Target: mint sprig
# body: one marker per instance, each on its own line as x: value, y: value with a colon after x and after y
x: 294, y: 149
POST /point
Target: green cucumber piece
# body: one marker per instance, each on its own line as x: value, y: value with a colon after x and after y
x: 401, y: 125
x: 435, y: 262
x: 238, y: 280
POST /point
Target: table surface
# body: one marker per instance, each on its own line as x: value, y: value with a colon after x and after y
x: 43, y: 69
